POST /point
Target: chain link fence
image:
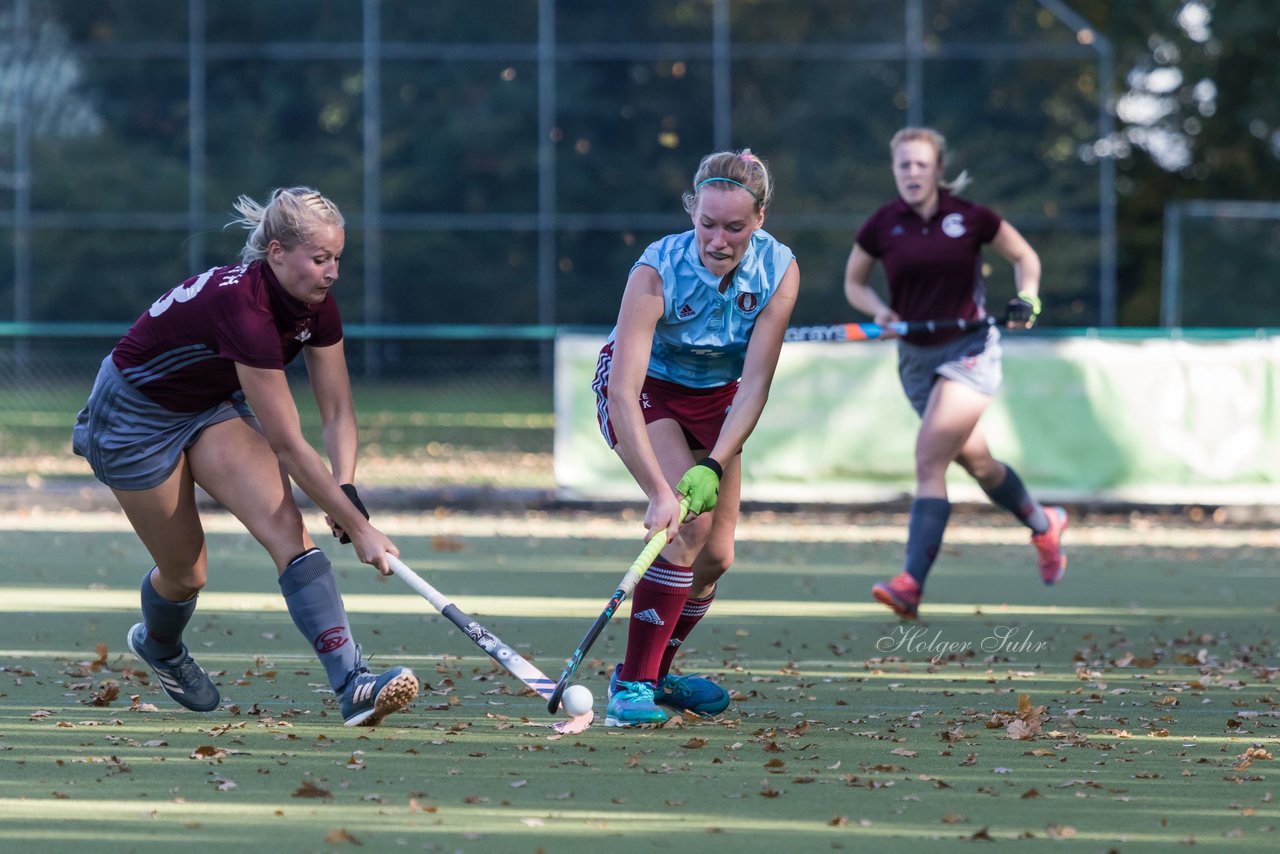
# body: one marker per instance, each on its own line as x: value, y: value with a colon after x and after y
x: 500, y: 165
x: 443, y: 410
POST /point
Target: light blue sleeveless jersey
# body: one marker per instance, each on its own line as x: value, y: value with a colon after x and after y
x: 701, y: 339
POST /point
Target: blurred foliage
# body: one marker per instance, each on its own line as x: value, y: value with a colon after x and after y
x: 816, y: 88
x: 1219, y: 111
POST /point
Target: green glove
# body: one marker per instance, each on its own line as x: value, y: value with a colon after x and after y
x: 1024, y: 309
x: 701, y: 485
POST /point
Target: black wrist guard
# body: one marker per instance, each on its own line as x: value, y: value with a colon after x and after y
x: 349, y: 490
x: 713, y: 465
x: 354, y: 497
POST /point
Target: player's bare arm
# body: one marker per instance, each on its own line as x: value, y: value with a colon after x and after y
x: 860, y: 294
x: 331, y: 384
x: 642, y: 306
x: 267, y: 391
x: 759, y: 368
x: 1015, y: 249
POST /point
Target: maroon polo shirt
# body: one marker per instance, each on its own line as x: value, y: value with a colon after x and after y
x: 182, y: 352
x: 934, y: 268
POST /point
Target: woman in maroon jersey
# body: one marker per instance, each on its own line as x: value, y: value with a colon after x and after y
x: 195, y: 394
x: 930, y: 243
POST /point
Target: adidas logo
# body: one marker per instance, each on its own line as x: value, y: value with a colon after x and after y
x: 648, y: 615
x: 362, y: 691
x: 173, y: 686
x: 686, y: 310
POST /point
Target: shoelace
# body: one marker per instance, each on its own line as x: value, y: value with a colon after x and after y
x: 637, y: 690
x: 189, y: 671
x: 352, y: 678
x: 361, y: 667
x: 679, y: 689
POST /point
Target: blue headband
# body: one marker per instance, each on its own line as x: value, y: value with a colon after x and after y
x: 727, y: 181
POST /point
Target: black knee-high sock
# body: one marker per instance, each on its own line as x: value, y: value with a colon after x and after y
x: 1013, y: 496
x: 924, y: 535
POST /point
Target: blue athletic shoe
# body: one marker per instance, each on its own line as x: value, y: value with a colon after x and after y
x: 370, y: 697
x: 182, y: 679
x: 631, y: 703
x: 691, y: 694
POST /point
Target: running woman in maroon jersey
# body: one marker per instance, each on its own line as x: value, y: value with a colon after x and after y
x: 195, y: 394
x: 930, y: 243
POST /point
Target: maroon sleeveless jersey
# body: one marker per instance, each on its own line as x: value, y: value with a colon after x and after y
x: 182, y: 351
x: 934, y: 268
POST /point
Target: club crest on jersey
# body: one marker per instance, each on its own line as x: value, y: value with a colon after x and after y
x: 747, y: 303
x: 953, y: 225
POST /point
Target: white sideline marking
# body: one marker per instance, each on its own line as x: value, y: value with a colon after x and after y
x: 63, y: 600
x: 777, y: 529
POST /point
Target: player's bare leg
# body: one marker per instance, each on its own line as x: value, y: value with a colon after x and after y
x: 691, y: 693
x: 168, y: 524
x: 1005, y: 489
x: 949, y: 419
x: 235, y: 465
x: 659, y: 596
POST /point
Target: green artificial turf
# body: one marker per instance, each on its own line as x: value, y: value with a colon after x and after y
x: 1145, y: 684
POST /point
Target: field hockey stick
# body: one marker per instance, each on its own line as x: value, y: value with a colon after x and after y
x: 872, y: 331
x: 628, y: 583
x: 515, y: 663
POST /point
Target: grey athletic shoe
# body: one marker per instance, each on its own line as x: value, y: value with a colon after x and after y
x: 367, y: 697
x: 182, y: 679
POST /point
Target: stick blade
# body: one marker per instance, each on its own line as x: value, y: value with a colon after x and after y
x: 575, y: 724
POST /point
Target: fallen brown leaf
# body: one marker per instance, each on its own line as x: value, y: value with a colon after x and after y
x: 333, y: 837
x: 208, y: 751
x: 311, y: 790
x: 446, y: 544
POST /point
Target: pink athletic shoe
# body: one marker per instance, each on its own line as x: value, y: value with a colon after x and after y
x: 1053, y: 563
x: 902, y: 594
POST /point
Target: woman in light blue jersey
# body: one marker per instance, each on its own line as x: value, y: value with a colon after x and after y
x: 680, y: 386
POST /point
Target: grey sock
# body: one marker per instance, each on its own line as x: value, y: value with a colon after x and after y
x: 164, y: 619
x: 311, y: 593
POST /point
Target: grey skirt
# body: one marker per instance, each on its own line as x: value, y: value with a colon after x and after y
x: 972, y: 360
x: 133, y: 443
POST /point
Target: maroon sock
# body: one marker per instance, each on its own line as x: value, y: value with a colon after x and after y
x: 694, y: 610
x: 655, y: 610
